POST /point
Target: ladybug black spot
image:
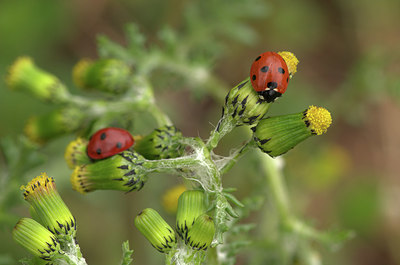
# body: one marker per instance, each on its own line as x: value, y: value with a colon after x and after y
x: 287, y: 79
x: 258, y: 58
x: 281, y: 70
x: 98, y: 151
x: 254, y: 77
x: 264, y: 69
x: 119, y: 145
x: 103, y: 136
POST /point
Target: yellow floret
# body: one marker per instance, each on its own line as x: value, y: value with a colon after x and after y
x: 291, y: 62
x: 170, y: 198
x: 15, y: 69
x: 43, y: 182
x: 79, y: 71
x: 319, y: 118
x: 73, y: 149
x: 77, y: 180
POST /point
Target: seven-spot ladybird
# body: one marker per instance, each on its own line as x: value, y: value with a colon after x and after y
x: 269, y: 76
x: 108, y: 142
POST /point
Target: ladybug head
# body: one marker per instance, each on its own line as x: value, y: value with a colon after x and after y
x: 270, y: 94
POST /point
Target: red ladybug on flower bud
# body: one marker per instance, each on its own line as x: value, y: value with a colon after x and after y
x: 108, y: 142
x: 269, y: 76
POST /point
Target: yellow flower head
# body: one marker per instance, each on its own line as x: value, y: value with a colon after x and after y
x: 79, y: 72
x: 75, y: 153
x: 319, y: 119
x: 170, y: 198
x: 38, y: 186
x: 15, y: 70
x: 291, y: 62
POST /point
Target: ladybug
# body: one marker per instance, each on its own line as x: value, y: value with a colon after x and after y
x: 108, y: 142
x: 269, y: 76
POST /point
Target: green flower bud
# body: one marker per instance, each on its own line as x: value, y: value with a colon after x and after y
x: 156, y: 230
x: 277, y: 135
x: 202, y: 233
x: 244, y: 104
x: 108, y: 75
x: 39, y: 129
x: 161, y: 143
x: 123, y: 171
x: 36, y: 239
x: 191, y: 204
x: 48, y: 207
x: 75, y: 153
x: 24, y: 75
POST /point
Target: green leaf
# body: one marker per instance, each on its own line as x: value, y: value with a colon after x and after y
x: 233, y: 199
x: 126, y: 254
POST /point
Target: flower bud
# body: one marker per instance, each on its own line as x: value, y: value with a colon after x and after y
x: 191, y: 204
x: 107, y: 75
x: 277, y: 135
x: 202, y: 233
x: 123, y: 171
x: 243, y: 105
x: 39, y: 129
x: 161, y: 143
x: 156, y: 230
x: 75, y: 153
x: 24, y: 75
x: 49, y: 208
x: 36, y: 239
x: 291, y: 62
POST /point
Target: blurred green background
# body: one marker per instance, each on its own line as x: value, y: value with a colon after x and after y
x: 349, y: 54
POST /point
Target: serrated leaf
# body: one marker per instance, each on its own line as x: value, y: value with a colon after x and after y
x: 135, y: 39
x: 126, y: 254
x: 233, y: 199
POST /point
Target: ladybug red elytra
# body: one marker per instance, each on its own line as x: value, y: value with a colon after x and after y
x: 269, y: 75
x: 108, y: 142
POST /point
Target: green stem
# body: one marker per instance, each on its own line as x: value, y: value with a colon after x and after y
x: 236, y: 156
x: 277, y: 186
x: 225, y: 125
x: 166, y: 165
x: 279, y: 192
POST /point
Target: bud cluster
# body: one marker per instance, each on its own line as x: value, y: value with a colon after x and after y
x: 25, y: 76
x: 193, y: 225
x: 124, y: 171
x: 52, y: 225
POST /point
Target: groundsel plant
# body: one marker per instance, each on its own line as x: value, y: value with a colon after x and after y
x: 207, y: 228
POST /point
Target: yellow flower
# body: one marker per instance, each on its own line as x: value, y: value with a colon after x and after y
x: 170, y: 198
x: 75, y: 153
x: 319, y: 118
x: 291, y: 62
